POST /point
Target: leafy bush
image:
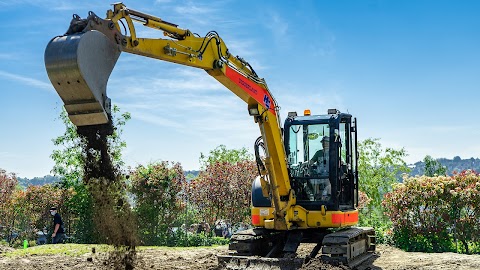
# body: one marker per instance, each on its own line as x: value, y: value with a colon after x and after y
x: 436, y: 214
x: 8, y: 181
x: 181, y: 238
x: 157, y: 188
x: 223, y: 191
x: 26, y: 211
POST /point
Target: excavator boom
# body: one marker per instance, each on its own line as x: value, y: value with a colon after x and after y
x: 80, y: 62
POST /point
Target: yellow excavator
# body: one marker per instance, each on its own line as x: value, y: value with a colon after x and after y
x: 307, y: 188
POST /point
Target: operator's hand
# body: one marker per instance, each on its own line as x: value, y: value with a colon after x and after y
x: 54, y: 234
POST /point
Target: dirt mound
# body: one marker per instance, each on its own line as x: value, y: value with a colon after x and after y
x: 388, y: 257
x: 317, y: 263
x: 5, y: 249
x: 164, y: 258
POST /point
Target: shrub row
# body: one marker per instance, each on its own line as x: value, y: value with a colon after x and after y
x: 436, y: 214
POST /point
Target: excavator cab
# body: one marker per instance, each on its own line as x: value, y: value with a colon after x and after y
x: 322, y: 160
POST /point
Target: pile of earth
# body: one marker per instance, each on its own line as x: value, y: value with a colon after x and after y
x: 5, y: 249
x: 205, y: 258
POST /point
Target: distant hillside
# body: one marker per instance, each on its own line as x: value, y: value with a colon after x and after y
x: 50, y: 179
x: 456, y: 164
x: 38, y: 181
x: 191, y: 174
x: 418, y: 168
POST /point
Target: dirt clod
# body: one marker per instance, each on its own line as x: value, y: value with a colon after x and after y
x: 317, y: 263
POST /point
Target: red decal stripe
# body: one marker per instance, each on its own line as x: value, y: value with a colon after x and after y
x: 344, y: 217
x: 352, y: 217
x: 338, y: 218
x: 260, y: 94
x: 255, y: 219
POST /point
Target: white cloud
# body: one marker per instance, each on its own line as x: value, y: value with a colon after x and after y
x: 8, y: 56
x: 278, y: 26
x: 5, y: 154
x: 279, y: 29
x: 53, y: 4
x: 172, y: 110
x: 318, y: 100
x: 178, y: 83
x: 27, y: 81
x: 156, y: 119
x: 246, y: 49
x: 194, y: 16
x: 191, y: 9
x: 187, y: 100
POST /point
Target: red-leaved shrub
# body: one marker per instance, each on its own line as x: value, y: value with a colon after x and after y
x: 433, y: 213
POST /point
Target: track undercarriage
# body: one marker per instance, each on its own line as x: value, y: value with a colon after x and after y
x: 267, y: 249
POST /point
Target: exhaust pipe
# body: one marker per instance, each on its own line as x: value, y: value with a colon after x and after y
x: 78, y: 67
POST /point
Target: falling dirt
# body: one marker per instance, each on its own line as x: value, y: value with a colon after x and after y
x: 114, y: 219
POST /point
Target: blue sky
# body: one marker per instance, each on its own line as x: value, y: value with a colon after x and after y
x: 408, y: 70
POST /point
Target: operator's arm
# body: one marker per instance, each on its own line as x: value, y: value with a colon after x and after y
x: 57, y: 226
x: 316, y: 156
x: 313, y: 159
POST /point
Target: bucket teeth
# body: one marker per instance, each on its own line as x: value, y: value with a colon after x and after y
x: 78, y: 67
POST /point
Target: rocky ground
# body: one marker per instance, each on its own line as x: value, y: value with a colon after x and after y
x: 386, y: 257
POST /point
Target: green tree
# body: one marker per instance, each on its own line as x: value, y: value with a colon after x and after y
x: 222, y: 154
x: 158, y: 199
x: 433, y: 167
x: 69, y: 164
x: 68, y: 159
x: 379, y: 169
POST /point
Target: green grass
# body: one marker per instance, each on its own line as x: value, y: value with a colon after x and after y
x: 79, y: 249
x: 175, y: 248
x: 61, y: 249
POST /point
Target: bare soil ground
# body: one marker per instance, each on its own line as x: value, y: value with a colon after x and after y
x: 387, y: 258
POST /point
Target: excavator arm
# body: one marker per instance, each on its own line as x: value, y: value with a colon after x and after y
x: 80, y: 62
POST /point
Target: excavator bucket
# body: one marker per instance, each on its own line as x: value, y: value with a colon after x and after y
x: 79, y: 66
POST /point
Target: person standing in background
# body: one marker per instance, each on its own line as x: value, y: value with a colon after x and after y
x: 58, y: 234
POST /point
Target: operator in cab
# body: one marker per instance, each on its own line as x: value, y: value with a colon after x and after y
x: 320, y: 159
x: 321, y: 156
